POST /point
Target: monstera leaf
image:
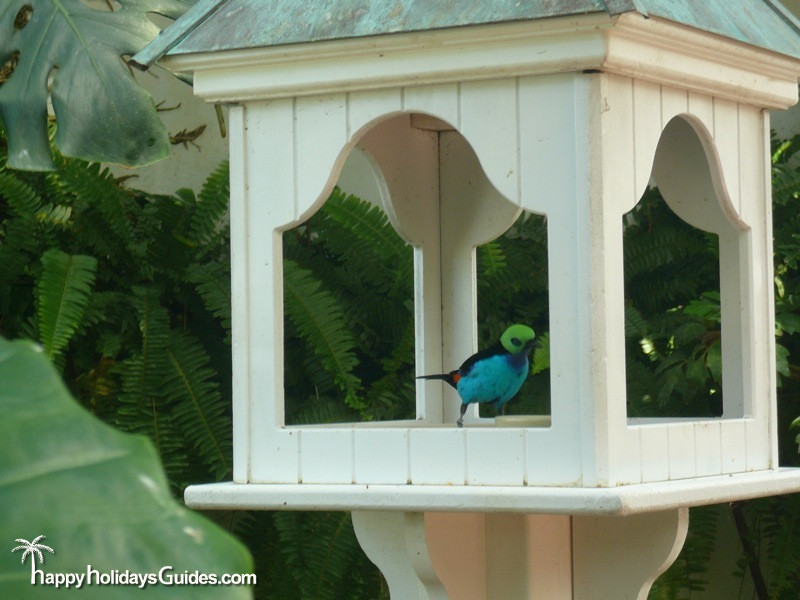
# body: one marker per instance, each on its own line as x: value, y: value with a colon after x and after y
x: 76, y: 54
x: 95, y: 500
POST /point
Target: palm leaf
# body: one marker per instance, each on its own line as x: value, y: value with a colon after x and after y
x: 63, y: 293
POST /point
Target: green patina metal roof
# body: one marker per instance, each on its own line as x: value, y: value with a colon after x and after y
x: 219, y: 25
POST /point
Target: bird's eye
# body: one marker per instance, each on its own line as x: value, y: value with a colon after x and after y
x: 516, y: 341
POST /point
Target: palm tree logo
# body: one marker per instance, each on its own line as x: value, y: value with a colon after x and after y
x: 33, y: 548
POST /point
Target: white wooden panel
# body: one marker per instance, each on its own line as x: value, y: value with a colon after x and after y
x: 381, y: 456
x: 495, y: 456
x: 726, y: 141
x: 550, y: 134
x: 737, y: 323
x: 757, y: 443
x: 734, y: 448
x: 438, y: 456
x: 646, y: 129
x: 707, y: 448
x: 239, y: 305
x: 628, y: 463
x: 276, y: 458
x: 553, y: 456
x: 366, y: 108
x: 681, y: 450
x: 701, y: 107
x: 321, y: 138
x: 751, y: 164
x: 269, y: 199
x: 619, y: 161
x: 674, y: 102
x: 655, y: 452
x: 438, y: 100
x: 489, y: 119
x: 326, y: 456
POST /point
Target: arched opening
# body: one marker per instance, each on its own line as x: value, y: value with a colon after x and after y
x: 684, y: 245
x: 367, y: 280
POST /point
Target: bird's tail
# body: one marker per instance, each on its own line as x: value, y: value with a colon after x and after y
x: 451, y: 378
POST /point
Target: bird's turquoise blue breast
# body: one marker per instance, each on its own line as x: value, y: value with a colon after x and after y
x: 495, y: 379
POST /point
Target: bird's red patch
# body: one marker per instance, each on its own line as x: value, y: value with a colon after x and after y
x: 456, y: 377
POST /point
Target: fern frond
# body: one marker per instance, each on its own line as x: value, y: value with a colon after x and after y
x: 95, y: 191
x: 142, y: 408
x: 211, y: 205
x: 20, y: 196
x: 491, y: 259
x: 321, y: 322
x: 197, y: 407
x: 63, y: 293
x: 213, y: 282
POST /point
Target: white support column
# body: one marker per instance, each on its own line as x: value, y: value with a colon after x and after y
x: 395, y: 542
x: 621, y: 557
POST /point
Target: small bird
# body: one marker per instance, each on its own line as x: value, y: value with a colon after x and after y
x: 493, y: 375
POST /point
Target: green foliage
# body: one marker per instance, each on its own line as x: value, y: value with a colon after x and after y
x: 88, y: 487
x: 63, y: 290
x: 66, y: 52
x: 350, y: 349
x: 101, y: 276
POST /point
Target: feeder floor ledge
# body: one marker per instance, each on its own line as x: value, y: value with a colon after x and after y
x: 621, y: 500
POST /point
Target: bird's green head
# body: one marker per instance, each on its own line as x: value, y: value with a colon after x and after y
x: 517, y: 338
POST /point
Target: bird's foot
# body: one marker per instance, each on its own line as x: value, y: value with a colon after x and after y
x: 460, y: 422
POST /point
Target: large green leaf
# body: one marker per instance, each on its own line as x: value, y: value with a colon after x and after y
x: 102, y: 113
x: 98, y: 495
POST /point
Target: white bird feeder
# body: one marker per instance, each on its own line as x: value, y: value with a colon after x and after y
x: 472, y: 112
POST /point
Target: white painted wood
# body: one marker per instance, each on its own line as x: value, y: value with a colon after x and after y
x: 620, y: 500
x: 734, y: 446
x: 495, y: 102
x: 395, y: 543
x: 438, y: 456
x: 381, y: 456
x: 707, y: 445
x: 674, y: 102
x: 320, y: 147
x: 240, y: 351
x: 495, y: 456
x: 654, y: 449
x: 629, y: 463
x: 366, y: 108
x: 553, y: 456
x: 276, y: 456
x: 636, y: 549
x: 437, y: 99
x: 326, y: 456
x: 647, y: 128
x: 682, y: 453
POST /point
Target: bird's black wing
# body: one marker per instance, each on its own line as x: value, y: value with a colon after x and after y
x: 493, y: 350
